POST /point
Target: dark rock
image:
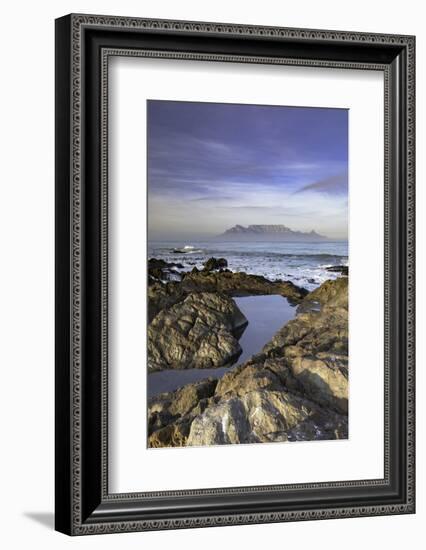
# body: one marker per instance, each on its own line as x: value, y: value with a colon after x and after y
x: 213, y: 264
x: 169, y: 407
x: 198, y: 332
x: 156, y: 273
x: 240, y: 284
x: 343, y: 269
x: 161, y: 270
x: 162, y: 296
x: 170, y: 414
x: 154, y: 263
x: 295, y: 389
x: 172, y: 435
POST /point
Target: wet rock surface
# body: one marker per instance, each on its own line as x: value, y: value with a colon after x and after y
x: 342, y: 269
x: 160, y: 270
x: 241, y: 284
x: 164, y: 295
x: 201, y: 331
x: 213, y: 264
x: 295, y: 389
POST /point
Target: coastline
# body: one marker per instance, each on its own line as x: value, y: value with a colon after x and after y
x: 294, y: 388
x: 306, y: 264
x: 265, y: 316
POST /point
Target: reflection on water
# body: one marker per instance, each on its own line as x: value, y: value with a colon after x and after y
x: 265, y: 314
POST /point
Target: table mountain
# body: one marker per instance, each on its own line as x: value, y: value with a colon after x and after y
x: 267, y: 233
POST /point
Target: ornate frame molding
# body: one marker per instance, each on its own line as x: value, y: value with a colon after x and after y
x: 73, y: 517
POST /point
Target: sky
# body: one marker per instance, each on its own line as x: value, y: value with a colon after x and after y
x: 214, y: 165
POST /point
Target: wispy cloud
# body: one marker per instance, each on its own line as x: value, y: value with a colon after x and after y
x: 213, y: 165
x: 337, y: 184
x: 213, y: 198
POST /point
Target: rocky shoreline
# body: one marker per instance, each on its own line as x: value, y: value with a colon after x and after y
x: 295, y: 389
x: 162, y: 293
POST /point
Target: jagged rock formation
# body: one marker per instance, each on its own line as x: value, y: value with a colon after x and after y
x: 162, y: 296
x: 160, y: 270
x: 240, y: 284
x: 212, y: 264
x: 342, y: 269
x: 199, y: 332
x: 295, y: 389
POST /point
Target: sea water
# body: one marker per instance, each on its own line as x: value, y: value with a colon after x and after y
x: 265, y: 315
x: 303, y: 263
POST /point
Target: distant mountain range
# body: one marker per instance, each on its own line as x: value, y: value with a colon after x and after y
x: 268, y: 233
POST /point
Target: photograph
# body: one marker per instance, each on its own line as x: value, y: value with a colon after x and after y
x: 234, y: 273
x: 248, y: 273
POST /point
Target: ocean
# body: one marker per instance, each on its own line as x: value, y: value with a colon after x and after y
x: 303, y: 263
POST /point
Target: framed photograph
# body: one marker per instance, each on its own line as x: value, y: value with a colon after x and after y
x: 234, y: 274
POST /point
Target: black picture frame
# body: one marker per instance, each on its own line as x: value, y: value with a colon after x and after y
x: 83, y: 44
